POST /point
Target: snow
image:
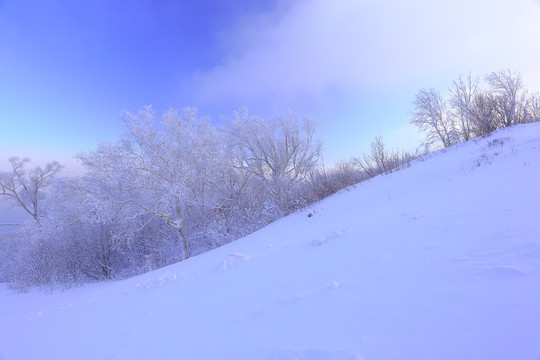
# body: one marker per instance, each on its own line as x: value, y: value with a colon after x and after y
x: 438, y: 261
x: 232, y: 260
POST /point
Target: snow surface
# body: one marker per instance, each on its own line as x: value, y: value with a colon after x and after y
x: 439, y: 261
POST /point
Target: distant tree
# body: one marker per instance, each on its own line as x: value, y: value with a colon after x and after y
x: 323, y: 181
x: 484, y: 115
x: 365, y: 162
x: 462, y: 93
x: 380, y: 160
x: 27, y: 188
x: 429, y: 117
x: 534, y: 108
x: 385, y: 160
x: 509, y: 92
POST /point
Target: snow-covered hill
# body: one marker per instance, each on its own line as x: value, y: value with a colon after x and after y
x: 439, y: 261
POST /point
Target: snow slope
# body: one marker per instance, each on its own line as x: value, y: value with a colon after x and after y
x: 439, y: 261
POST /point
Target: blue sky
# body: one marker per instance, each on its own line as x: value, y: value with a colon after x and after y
x: 68, y: 68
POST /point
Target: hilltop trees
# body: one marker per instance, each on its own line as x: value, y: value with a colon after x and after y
x: 509, y: 97
x: 484, y: 114
x: 534, y: 108
x: 429, y: 115
x: 473, y: 111
x: 462, y: 94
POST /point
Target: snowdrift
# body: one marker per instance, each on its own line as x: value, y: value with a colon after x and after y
x: 439, y: 261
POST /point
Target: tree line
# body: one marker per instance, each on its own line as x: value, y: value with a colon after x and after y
x: 171, y: 187
x: 470, y: 111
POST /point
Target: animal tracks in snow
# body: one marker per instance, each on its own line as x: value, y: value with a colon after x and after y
x: 500, y: 271
x: 412, y: 216
x: 327, y: 239
x: 280, y: 303
x: 232, y: 260
x: 510, y: 262
x: 298, y: 297
x: 164, y: 279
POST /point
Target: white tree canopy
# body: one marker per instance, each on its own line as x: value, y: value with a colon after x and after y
x: 159, y: 169
x: 274, y: 149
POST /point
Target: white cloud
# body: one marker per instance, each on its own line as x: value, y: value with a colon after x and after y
x: 318, y: 45
x: 319, y: 51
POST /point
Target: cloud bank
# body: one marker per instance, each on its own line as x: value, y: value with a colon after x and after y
x: 331, y: 57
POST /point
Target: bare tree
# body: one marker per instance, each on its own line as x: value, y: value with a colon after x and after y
x: 380, y: 160
x: 365, y: 163
x: 508, y: 89
x: 462, y: 93
x: 382, y: 157
x: 484, y: 115
x: 27, y: 189
x: 429, y: 117
x: 533, y: 108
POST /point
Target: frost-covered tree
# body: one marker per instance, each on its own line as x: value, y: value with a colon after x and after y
x: 161, y: 170
x: 277, y: 152
x: 474, y: 112
x: 273, y: 149
x: 429, y: 117
x: 171, y: 187
x: 533, y: 108
x: 462, y: 93
x: 484, y: 115
x: 27, y: 188
x: 509, y: 92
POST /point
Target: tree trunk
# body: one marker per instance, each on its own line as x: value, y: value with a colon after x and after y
x: 185, y: 244
x: 178, y: 225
